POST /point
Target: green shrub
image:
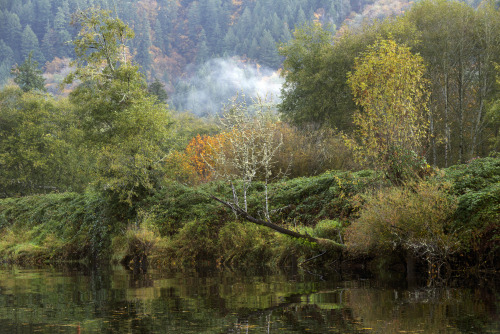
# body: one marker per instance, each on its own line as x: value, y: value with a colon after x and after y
x: 475, y: 175
x: 61, y: 226
x: 332, y: 195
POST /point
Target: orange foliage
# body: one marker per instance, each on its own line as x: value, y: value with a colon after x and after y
x: 56, y: 65
x: 178, y: 167
x: 200, y: 152
x: 196, y: 163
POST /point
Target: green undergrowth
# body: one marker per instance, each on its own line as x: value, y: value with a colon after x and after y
x: 477, y: 218
x: 66, y: 226
x: 178, y: 225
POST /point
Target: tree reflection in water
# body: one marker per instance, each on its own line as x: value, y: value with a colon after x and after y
x: 115, y: 300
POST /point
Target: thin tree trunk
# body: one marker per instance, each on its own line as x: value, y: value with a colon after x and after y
x: 461, y: 147
x: 477, y: 126
x: 446, y: 121
x: 432, y: 137
x: 411, y: 278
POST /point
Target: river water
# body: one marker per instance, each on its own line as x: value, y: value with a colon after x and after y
x: 117, y: 300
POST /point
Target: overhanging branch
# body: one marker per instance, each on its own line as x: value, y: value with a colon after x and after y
x: 324, y: 243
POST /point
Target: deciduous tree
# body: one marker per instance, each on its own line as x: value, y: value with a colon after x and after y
x: 126, y: 130
x: 389, y: 88
x: 248, y: 154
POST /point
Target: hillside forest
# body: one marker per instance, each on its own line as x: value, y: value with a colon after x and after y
x: 169, y: 34
x: 384, y: 138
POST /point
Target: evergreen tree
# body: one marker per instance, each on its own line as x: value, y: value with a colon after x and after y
x: 29, y: 43
x: 230, y: 42
x: 194, y: 19
x: 300, y: 18
x: 13, y: 32
x: 245, y: 23
x: 144, y: 45
x: 27, y: 13
x: 268, y: 53
x: 61, y: 23
x: 28, y: 76
x: 49, y: 43
x: 203, y: 51
x: 43, y: 14
x: 254, y: 49
x: 159, y: 36
x: 157, y: 88
x: 285, y: 33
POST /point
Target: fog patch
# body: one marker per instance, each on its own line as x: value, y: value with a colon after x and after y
x: 210, y: 86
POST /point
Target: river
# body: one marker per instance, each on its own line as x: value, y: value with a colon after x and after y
x: 117, y: 300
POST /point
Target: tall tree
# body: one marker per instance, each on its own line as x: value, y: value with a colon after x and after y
x: 157, y: 88
x: 268, y: 53
x: 61, y: 23
x: 6, y: 61
x: 389, y: 87
x: 13, y: 32
x: 29, y: 43
x: 126, y: 131
x: 144, y: 44
x: 315, y: 89
x: 43, y: 13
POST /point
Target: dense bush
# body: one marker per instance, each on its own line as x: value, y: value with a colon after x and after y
x: 330, y: 195
x: 415, y: 219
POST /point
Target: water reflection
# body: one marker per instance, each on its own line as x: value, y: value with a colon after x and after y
x: 115, y: 300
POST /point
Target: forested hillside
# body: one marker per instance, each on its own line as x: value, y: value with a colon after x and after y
x: 170, y: 34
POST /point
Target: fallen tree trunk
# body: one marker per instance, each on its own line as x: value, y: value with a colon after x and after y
x: 324, y: 243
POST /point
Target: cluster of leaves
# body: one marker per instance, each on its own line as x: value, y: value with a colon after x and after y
x: 476, y: 185
x: 195, y: 164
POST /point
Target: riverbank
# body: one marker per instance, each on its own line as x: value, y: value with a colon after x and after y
x: 455, y: 213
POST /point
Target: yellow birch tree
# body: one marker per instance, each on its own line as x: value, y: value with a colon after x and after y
x: 390, y: 90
